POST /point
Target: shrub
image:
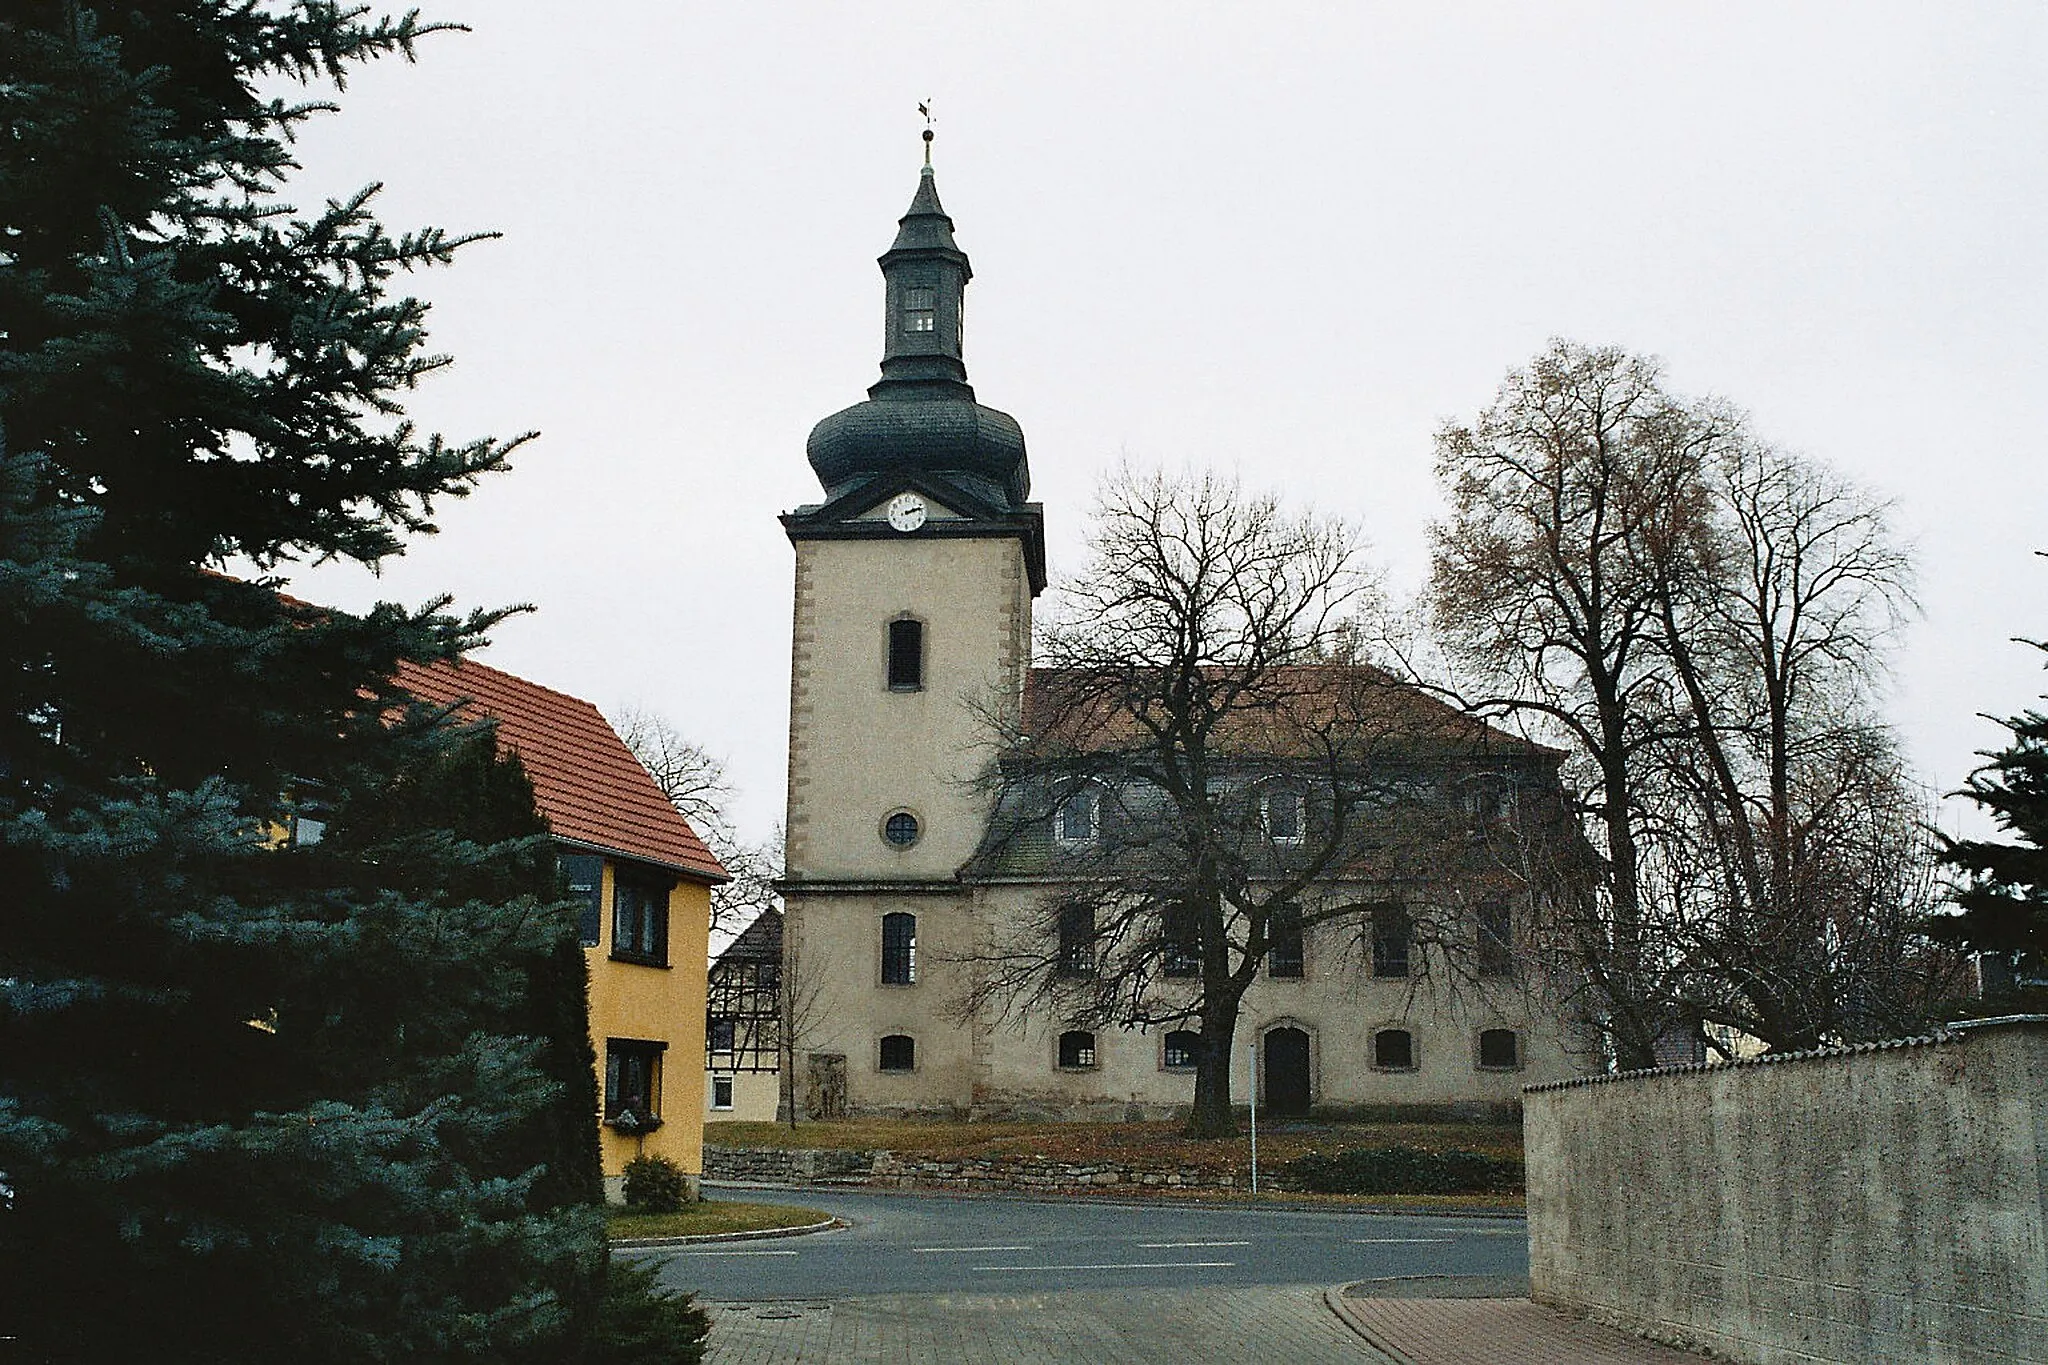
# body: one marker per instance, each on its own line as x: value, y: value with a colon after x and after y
x: 654, y: 1184
x: 640, y: 1323
x: 1405, y: 1170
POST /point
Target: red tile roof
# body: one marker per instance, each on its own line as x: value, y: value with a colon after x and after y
x: 585, y: 780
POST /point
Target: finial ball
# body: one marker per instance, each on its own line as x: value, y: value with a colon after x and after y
x: 927, y: 135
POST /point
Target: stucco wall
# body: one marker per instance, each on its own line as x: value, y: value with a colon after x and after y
x: 1884, y: 1203
x: 656, y: 1004
x: 859, y: 751
x: 755, y: 1095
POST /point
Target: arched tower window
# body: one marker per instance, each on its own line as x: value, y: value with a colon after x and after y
x: 899, y: 949
x: 906, y: 655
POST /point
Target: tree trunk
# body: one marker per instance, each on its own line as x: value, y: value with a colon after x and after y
x: 1211, y: 1117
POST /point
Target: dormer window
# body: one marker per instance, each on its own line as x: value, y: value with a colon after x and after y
x: 920, y: 308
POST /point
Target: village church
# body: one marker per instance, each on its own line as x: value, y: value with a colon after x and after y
x: 915, y: 581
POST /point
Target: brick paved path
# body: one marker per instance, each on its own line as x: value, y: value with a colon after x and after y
x: 1283, y: 1325
x: 1495, y: 1332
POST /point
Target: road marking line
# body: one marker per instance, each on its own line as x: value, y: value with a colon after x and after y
x: 1397, y: 1241
x: 734, y: 1253
x: 1125, y: 1265
x: 937, y: 1249
x: 1167, y: 1246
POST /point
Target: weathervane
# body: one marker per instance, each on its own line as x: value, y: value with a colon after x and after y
x: 925, y: 108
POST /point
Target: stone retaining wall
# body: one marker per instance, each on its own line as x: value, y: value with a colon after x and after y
x: 1023, y: 1173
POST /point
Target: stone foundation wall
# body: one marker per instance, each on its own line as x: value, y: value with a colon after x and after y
x: 1025, y: 1174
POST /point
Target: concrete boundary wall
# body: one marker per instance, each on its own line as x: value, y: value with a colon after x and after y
x: 1879, y: 1203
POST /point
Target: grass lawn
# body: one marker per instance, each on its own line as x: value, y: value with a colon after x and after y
x: 1149, y: 1144
x: 708, y: 1216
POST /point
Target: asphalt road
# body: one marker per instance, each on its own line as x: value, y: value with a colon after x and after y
x: 901, y: 1243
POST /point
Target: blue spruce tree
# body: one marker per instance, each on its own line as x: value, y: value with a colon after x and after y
x: 263, y: 1095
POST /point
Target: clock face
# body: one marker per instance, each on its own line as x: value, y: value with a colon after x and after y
x: 906, y: 511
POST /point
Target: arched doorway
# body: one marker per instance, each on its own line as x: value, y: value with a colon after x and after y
x: 1286, y: 1072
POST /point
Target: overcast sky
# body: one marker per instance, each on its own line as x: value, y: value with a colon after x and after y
x: 1288, y: 240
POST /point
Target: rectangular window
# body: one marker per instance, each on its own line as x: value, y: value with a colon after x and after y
x: 1496, y: 940
x: 632, y: 1079
x: 1074, y: 823
x: 1077, y: 940
x: 1180, y: 952
x: 1391, y: 933
x: 721, y: 1092
x: 1284, y: 958
x: 899, y: 950
x: 898, y: 1053
x: 583, y: 875
x: 640, y: 917
x: 722, y: 1034
x: 1179, y: 1052
x: 1283, y: 817
x: 920, y: 303
x: 906, y: 655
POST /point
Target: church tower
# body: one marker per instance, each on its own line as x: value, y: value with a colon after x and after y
x: 914, y: 583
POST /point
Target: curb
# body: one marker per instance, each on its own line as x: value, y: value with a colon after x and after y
x: 1335, y: 1300
x: 1117, y: 1195
x: 700, y: 1238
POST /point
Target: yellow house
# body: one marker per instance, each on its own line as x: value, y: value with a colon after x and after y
x: 645, y: 880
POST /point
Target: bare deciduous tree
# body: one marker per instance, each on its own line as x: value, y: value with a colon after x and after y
x: 1201, y: 770
x: 1701, y: 619
x: 694, y: 781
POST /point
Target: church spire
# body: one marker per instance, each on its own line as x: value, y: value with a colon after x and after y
x: 925, y: 274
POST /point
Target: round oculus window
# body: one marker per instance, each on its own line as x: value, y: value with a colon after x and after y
x: 901, y: 829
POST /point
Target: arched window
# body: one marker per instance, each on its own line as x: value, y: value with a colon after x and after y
x: 899, y: 949
x: 899, y: 1053
x: 1500, y: 1049
x: 1077, y: 1049
x: 1178, y: 1052
x: 1393, y: 1049
x: 1077, y: 941
x: 906, y: 655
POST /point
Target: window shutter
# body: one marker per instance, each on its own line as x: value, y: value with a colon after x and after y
x: 585, y: 875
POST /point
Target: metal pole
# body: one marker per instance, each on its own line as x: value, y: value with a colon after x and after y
x: 1253, y: 1052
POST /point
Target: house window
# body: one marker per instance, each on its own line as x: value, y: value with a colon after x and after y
x: 901, y: 829
x: 1075, y: 821
x: 920, y: 303
x: 1391, y: 935
x: 899, y: 1053
x: 1499, y: 1049
x: 1077, y: 940
x: 1284, y: 958
x: 906, y: 655
x: 1077, y: 1049
x: 722, y: 1034
x: 721, y: 1092
x: 1496, y: 939
x: 640, y: 918
x: 1178, y: 1054
x: 1281, y: 811
x: 1393, y: 1049
x: 584, y: 875
x: 1181, y: 943
x: 899, y: 950
x: 632, y: 1082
